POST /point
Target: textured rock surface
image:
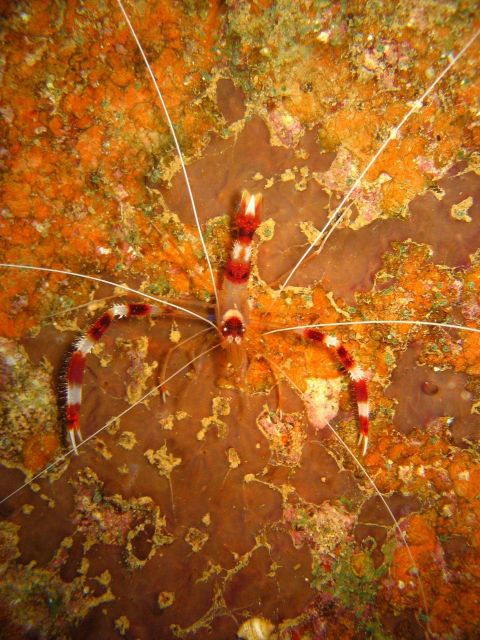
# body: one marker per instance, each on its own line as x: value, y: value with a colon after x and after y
x: 185, y: 518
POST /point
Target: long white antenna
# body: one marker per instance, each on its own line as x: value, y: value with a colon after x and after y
x: 175, y: 140
x: 106, y: 425
x: 390, y: 512
x: 375, y: 488
x: 113, y: 284
x: 445, y: 325
x: 335, y: 219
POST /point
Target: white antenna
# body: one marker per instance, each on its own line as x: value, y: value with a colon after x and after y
x: 445, y: 325
x: 390, y: 512
x: 113, y: 284
x: 375, y: 488
x: 175, y: 140
x: 335, y: 219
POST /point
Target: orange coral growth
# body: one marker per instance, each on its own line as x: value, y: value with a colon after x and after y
x: 468, y: 360
x: 465, y: 477
x: 423, y: 544
x: 46, y: 180
x: 39, y: 450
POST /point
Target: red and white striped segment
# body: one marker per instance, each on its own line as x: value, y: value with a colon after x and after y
x: 238, y: 267
x: 76, y: 365
x: 246, y: 221
x: 356, y: 374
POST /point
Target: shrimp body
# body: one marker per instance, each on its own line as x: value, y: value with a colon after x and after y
x: 232, y: 314
x: 233, y: 307
x: 233, y: 297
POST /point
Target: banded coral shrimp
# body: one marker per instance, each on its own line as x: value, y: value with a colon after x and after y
x: 102, y: 534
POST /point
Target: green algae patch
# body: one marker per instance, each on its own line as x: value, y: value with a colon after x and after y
x: 113, y: 520
x: 460, y: 210
x: 41, y: 599
x: 29, y: 431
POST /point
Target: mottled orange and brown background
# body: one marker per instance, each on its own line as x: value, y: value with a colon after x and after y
x: 187, y: 517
